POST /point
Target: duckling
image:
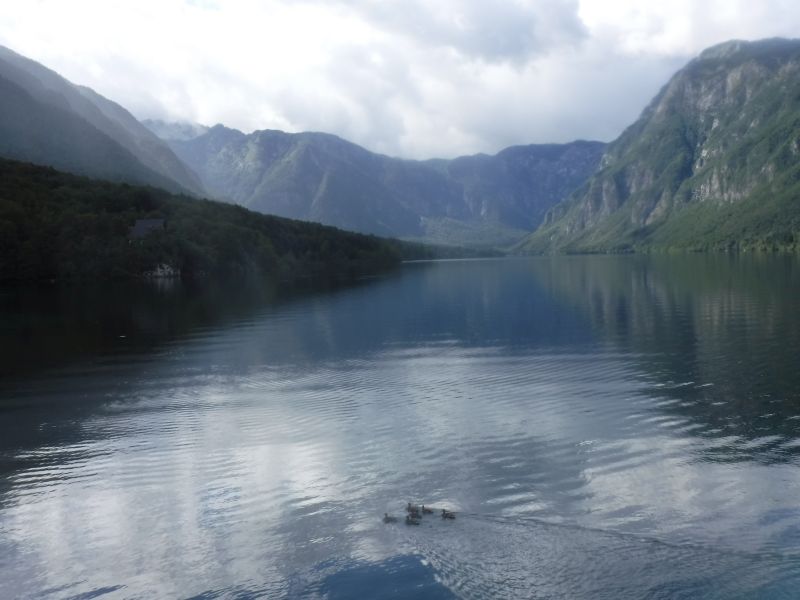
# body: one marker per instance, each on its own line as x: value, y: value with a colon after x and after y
x: 426, y: 510
x: 388, y: 518
x: 410, y: 520
x: 446, y: 514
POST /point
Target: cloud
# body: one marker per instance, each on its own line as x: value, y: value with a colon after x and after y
x: 512, y: 31
x: 410, y: 78
x: 685, y: 27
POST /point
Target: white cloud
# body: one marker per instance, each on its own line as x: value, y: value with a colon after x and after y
x: 410, y: 78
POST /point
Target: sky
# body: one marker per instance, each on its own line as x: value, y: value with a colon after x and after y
x: 408, y: 78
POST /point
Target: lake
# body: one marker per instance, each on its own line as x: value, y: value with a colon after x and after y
x: 604, y: 426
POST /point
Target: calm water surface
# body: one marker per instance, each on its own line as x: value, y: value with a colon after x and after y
x: 607, y: 427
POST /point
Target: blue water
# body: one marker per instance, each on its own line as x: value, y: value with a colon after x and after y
x: 605, y: 427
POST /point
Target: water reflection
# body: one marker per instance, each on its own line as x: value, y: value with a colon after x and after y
x: 590, y: 417
x: 719, y: 335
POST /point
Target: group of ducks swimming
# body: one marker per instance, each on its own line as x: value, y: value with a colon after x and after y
x: 414, y: 516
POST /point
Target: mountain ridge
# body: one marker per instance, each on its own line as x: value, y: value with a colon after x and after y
x: 46, y: 135
x: 88, y: 117
x: 711, y: 163
x: 321, y: 177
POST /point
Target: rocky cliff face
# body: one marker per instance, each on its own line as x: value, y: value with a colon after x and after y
x: 716, y: 147
x: 472, y: 200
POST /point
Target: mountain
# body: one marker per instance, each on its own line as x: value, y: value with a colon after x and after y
x: 58, y: 226
x: 46, y: 119
x: 472, y: 200
x: 713, y: 163
x: 169, y: 131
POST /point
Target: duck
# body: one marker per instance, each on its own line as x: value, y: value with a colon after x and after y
x: 446, y: 514
x: 426, y: 510
x: 412, y: 520
x: 412, y: 508
x: 387, y: 518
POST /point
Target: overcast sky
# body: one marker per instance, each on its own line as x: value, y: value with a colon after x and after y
x: 411, y: 78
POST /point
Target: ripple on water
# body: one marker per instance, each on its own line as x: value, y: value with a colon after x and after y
x: 560, y: 407
x: 481, y: 556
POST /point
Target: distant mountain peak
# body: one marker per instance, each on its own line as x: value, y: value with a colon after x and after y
x: 723, y: 50
x: 175, y: 130
x: 476, y: 200
x: 737, y: 51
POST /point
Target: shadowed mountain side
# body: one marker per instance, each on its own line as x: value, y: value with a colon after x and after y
x: 713, y: 163
x: 475, y: 200
x: 47, y: 135
x: 88, y: 117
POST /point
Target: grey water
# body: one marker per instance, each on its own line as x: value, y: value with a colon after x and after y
x: 605, y: 427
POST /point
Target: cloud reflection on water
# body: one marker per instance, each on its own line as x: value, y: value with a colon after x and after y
x: 240, y: 457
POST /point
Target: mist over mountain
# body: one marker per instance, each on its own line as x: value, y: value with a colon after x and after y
x: 713, y: 163
x: 49, y: 120
x: 475, y: 200
x: 174, y: 131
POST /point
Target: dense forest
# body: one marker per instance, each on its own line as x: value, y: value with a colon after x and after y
x: 55, y: 226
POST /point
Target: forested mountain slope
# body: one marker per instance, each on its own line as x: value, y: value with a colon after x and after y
x: 58, y: 226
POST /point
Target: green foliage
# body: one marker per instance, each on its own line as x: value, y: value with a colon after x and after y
x: 767, y: 221
x: 64, y: 227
